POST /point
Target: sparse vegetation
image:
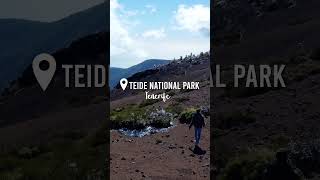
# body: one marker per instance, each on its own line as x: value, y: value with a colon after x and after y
x: 186, y: 116
x: 279, y: 141
x: 72, y: 160
x: 251, y: 166
x: 296, y: 160
x: 175, y: 108
x: 160, y: 119
x: 133, y: 117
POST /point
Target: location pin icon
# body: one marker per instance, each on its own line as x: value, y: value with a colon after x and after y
x: 44, y: 77
x: 123, y: 83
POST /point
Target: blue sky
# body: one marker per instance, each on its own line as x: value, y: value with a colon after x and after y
x: 145, y: 29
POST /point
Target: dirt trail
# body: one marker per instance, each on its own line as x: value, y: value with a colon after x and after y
x: 160, y: 156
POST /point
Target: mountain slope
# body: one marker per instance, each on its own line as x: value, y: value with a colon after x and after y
x: 171, y: 150
x: 252, y: 30
x: 67, y: 122
x: 21, y: 40
x: 117, y: 73
x: 267, y: 130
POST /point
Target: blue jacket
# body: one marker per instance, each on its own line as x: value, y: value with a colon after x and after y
x: 197, y: 120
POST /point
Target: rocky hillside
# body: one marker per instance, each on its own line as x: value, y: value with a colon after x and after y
x: 25, y: 91
x: 190, y: 68
x: 281, y: 24
x: 22, y: 40
x: 267, y: 133
x: 59, y: 133
x: 171, y: 149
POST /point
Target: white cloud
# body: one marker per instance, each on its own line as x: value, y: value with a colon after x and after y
x: 152, y: 9
x: 155, y: 33
x: 120, y: 39
x: 131, y: 13
x: 129, y: 47
x: 114, y: 4
x: 194, y: 18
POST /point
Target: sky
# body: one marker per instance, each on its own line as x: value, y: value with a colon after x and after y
x: 157, y: 29
x: 43, y: 10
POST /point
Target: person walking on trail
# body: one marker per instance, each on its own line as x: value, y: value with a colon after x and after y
x: 198, y: 123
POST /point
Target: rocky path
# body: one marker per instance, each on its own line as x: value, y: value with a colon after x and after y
x: 160, y: 156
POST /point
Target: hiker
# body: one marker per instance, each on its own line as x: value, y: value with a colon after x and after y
x: 198, y: 122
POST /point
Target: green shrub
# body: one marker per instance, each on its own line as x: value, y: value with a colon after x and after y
x: 131, y: 117
x: 186, y: 116
x: 160, y: 119
x: 279, y: 141
x: 250, y: 166
x: 175, y: 108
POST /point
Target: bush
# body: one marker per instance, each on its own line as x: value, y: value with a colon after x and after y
x: 134, y: 118
x: 160, y: 119
x: 186, y: 116
x: 175, y: 108
x: 131, y: 117
x: 250, y: 166
x: 279, y: 141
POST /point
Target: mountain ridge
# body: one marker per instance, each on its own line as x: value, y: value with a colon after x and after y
x: 21, y: 39
x: 117, y: 73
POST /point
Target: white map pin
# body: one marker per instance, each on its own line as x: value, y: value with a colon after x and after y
x: 123, y: 83
x: 44, y: 77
